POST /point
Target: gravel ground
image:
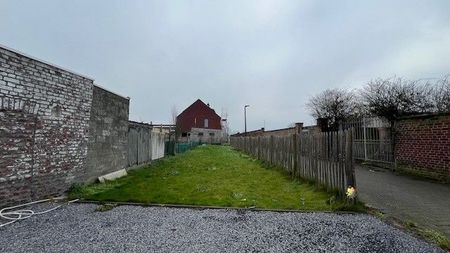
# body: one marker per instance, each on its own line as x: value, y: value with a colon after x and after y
x: 79, y: 228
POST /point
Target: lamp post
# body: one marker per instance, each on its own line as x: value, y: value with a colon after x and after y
x: 245, y: 117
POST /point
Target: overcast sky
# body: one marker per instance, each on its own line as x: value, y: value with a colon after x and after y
x: 272, y: 55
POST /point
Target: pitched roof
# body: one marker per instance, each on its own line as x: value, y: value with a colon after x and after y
x: 200, y: 103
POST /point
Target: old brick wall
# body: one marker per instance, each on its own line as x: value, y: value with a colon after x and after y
x: 423, y: 146
x: 44, y: 125
x: 108, y: 134
x: 17, y: 128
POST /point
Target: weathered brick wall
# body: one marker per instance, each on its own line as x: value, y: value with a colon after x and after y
x: 44, y: 120
x: 16, y: 151
x: 108, y: 134
x: 423, y: 146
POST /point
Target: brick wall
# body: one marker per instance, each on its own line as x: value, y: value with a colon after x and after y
x: 108, y: 134
x: 44, y: 125
x: 423, y: 146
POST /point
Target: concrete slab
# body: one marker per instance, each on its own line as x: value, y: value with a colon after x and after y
x: 112, y: 176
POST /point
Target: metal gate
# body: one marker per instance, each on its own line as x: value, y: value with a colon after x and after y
x: 372, y: 139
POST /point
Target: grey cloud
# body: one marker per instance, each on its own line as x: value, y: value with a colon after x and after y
x: 270, y: 54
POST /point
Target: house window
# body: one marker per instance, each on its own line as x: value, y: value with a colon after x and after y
x: 200, y: 134
x: 183, y: 134
x: 206, y: 123
x: 211, y: 134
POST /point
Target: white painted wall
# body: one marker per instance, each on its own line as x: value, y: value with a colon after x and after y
x: 157, y: 145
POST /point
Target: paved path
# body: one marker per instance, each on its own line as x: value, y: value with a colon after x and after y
x: 423, y: 202
x: 79, y: 228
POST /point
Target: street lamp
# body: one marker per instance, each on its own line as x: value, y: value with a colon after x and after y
x: 245, y: 117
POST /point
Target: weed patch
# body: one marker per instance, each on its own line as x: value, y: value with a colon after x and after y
x: 104, y: 207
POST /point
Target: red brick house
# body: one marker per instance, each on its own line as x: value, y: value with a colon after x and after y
x: 199, y: 122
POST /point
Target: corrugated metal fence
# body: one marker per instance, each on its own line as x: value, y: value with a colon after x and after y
x: 325, y: 158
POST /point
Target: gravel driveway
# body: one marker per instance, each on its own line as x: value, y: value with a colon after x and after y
x: 79, y: 228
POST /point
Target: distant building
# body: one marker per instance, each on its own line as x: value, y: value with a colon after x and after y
x: 200, y: 123
x: 298, y: 128
x: 167, y: 129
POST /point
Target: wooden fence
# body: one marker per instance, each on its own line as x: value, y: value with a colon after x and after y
x: 325, y: 158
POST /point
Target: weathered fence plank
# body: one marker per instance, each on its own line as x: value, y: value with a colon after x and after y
x: 325, y: 158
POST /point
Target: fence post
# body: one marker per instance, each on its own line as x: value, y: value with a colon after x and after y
x: 365, y: 139
x: 138, y: 135
x: 393, y: 133
x: 294, y: 153
x: 271, y: 150
x: 259, y: 147
x: 349, y: 168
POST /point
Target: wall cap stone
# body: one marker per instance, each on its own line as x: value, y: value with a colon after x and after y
x: 42, y: 61
x: 112, y: 92
x: 424, y: 115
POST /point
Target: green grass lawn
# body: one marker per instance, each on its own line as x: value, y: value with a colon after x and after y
x: 213, y: 176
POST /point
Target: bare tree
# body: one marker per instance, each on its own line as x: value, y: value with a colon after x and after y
x: 395, y: 97
x: 335, y: 105
x: 441, y: 94
x: 389, y: 98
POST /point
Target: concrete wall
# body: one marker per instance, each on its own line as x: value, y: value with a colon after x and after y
x: 144, y: 144
x: 203, y: 135
x: 108, y: 134
x: 423, y: 146
x: 44, y: 125
x: 139, y: 150
x: 57, y: 129
x: 157, y: 145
